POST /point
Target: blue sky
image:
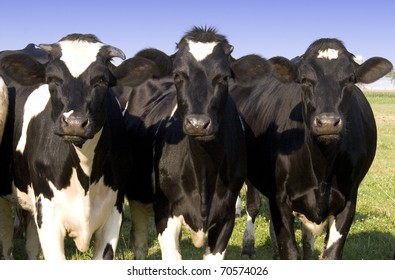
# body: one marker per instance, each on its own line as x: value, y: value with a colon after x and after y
x: 268, y: 28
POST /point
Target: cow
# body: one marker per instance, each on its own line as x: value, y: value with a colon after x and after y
x: 192, y: 163
x: 66, y: 141
x: 312, y: 138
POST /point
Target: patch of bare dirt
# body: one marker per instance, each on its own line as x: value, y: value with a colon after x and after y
x: 385, y: 119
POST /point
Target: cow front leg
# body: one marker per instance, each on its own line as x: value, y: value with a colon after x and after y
x: 33, y: 247
x: 218, y: 238
x: 253, y: 206
x: 51, y: 234
x: 282, y: 222
x: 140, y: 214
x: 6, y: 229
x: 339, y: 227
x: 169, y: 238
x: 107, y: 236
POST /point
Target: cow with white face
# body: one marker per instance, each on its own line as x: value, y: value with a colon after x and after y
x: 66, y: 133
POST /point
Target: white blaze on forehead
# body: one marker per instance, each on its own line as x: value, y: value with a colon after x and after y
x: 328, y: 54
x: 201, y: 50
x: 34, y: 105
x: 78, y: 55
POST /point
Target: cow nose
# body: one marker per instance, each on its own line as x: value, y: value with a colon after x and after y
x: 327, y: 124
x: 74, y: 125
x: 197, y: 125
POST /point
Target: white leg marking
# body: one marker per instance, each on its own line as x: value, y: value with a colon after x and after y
x: 108, y: 234
x: 238, y: 206
x: 249, y: 233
x: 169, y: 239
x: 334, y: 235
x: 51, y: 233
x: 209, y: 256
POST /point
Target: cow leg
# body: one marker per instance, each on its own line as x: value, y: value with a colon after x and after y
x: 140, y: 215
x: 169, y: 238
x: 308, y: 241
x: 33, y: 247
x: 107, y: 236
x: 253, y: 206
x: 283, y: 228
x: 49, y: 232
x: 238, y: 207
x: 6, y: 229
x: 339, y: 227
x: 218, y: 238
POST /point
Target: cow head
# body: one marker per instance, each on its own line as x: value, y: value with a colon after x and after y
x: 75, y: 78
x: 201, y: 71
x: 202, y: 67
x: 327, y: 74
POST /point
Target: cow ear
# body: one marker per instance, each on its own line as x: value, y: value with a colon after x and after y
x: 284, y: 69
x: 162, y: 60
x: 134, y: 71
x: 143, y: 66
x: 23, y: 69
x: 248, y: 69
x: 373, y: 69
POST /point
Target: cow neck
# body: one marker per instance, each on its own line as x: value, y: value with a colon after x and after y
x: 323, y: 158
x: 86, y: 153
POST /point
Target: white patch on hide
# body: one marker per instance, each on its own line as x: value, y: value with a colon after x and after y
x: 78, y: 55
x: 201, y: 50
x: 328, y: 54
x: 34, y: 105
x: 86, y: 153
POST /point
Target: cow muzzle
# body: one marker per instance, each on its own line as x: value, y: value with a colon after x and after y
x: 327, y: 126
x: 199, y: 126
x: 74, y: 128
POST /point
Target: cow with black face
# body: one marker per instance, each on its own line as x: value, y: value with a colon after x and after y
x: 313, y: 141
x: 67, y: 135
x: 198, y: 165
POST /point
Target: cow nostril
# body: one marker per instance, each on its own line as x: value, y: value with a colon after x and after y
x: 85, y: 123
x: 337, y: 121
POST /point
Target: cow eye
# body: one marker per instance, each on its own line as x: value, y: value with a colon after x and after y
x: 221, y: 80
x: 179, y: 77
x: 306, y: 81
x: 99, y: 82
x: 54, y: 81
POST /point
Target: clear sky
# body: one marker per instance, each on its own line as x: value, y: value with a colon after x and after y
x: 267, y: 28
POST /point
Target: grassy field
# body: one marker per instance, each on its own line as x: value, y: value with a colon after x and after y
x: 372, y: 235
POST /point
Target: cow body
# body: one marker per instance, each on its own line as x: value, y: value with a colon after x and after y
x: 66, y: 136
x: 312, y: 142
x: 193, y: 161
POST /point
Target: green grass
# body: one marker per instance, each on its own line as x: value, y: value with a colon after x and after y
x: 372, y: 235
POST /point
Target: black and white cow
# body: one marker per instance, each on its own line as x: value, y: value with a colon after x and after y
x: 66, y: 133
x: 192, y: 163
x: 313, y: 140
